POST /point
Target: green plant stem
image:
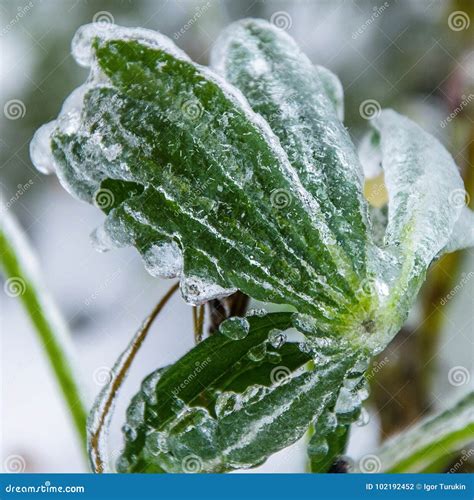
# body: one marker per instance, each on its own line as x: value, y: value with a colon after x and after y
x: 23, y: 281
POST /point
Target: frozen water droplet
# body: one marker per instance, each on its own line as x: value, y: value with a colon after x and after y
x: 326, y: 422
x: 258, y: 352
x: 40, y: 149
x: 347, y: 405
x: 101, y: 240
x: 364, y: 418
x: 136, y: 412
x: 156, y: 443
x: 130, y: 432
x: 253, y: 394
x: 305, y: 347
x: 235, y: 328
x: 276, y: 338
x: 364, y: 390
x: 318, y: 447
x: 304, y: 323
x: 163, y: 260
x: 197, y: 290
x: 273, y: 357
x: 148, y: 386
x: 226, y: 403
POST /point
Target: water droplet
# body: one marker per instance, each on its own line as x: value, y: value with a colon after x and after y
x: 258, y: 352
x: 130, y: 432
x: 226, y: 403
x: 347, y: 405
x: 364, y: 418
x: 235, y: 328
x: 318, y: 447
x: 276, y: 338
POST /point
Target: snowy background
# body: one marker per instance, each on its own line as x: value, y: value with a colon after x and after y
x: 408, y: 55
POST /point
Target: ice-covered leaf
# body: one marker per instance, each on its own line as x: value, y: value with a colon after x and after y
x: 229, y: 404
x: 327, y: 443
x: 437, y: 436
x: 424, y: 187
x: 297, y: 99
x: 333, y: 88
x: 198, y: 182
x: 463, y: 232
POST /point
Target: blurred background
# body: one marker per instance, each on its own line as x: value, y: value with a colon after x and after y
x: 413, y: 55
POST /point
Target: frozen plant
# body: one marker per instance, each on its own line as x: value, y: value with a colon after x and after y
x: 243, y: 177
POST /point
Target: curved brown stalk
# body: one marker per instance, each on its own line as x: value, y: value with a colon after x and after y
x: 101, y: 413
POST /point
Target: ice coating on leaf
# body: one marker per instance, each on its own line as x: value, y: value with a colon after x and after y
x: 333, y: 88
x: 297, y: 99
x: 370, y: 155
x: 277, y: 338
x: 235, y: 328
x: 463, y: 232
x: 40, y: 149
x: 422, y: 182
x: 175, y: 156
x: 163, y: 259
x: 225, y: 418
x: 81, y: 46
x: 198, y: 291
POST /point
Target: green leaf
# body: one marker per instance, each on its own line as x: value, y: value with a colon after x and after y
x: 429, y: 440
x: 229, y: 404
x: 297, y: 99
x: 327, y: 443
x: 423, y: 185
x: 198, y: 182
x: 333, y: 88
x: 24, y: 281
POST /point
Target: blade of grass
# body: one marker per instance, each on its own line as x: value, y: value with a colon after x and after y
x: 431, y: 439
x: 23, y: 280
